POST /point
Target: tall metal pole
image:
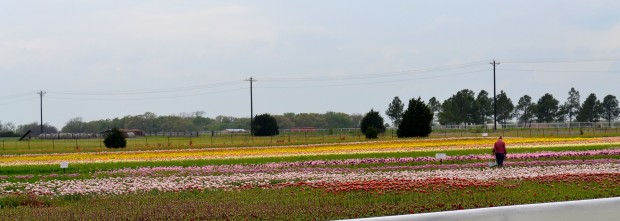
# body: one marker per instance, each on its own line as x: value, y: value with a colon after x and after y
x: 41, y: 95
x: 494, y: 97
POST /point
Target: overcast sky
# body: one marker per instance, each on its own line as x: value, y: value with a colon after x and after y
x: 107, y: 59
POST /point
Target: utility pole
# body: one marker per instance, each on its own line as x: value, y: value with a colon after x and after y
x: 41, y: 93
x: 494, y: 97
x: 251, y: 80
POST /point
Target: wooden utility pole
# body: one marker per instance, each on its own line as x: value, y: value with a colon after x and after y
x: 40, y: 93
x: 494, y: 97
x: 251, y: 80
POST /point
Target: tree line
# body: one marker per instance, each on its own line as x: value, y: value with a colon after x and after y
x: 465, y: 107
x: 195, y: 121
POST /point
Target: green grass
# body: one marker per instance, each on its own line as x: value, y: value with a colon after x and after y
x: 294, y: 203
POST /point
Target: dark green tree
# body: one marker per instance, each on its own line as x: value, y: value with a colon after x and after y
x: 7, y: 130
x: 372, y: 122
x: 435, y: 106
x: 525, y: 109
x: 546, y: 108
x: 416, y: 120
x: 395, y: 111
x: 75, y: 125
x: 611, y: 111
x: 337, y: 120
x: 505, y: 107
x: 115, y: 139
x: 458, y: 108
x: 571, y: 106
x: 562, y: 113
x: 265, y: 125
x: 483, y: 107
x: 591, y: 110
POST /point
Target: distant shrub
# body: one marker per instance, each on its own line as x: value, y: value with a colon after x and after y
x: 8, y: 134
x: 265, y: 125
x: 373, y: 120
x: 416, y: 120
x: 115, y: 139
x: 372, y: 133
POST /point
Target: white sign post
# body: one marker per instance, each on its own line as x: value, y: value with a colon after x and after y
x: 441, y: 157
x: 485, y: 134
x: 64, y: 165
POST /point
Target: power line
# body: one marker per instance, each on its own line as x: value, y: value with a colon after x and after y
x: 560, y: 71
x: 559, y: 60
x: 20, y: 95
x: 18, y: 101
x: 380, y: 82
x: 147, y: 98
x: 379, y: 75
x: 149, y: 91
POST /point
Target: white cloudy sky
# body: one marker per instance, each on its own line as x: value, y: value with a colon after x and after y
x: 106, y: 59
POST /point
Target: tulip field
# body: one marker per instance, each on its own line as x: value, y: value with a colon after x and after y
x: 306, y: 182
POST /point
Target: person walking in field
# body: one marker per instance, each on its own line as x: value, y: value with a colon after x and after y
x: 499, y: 150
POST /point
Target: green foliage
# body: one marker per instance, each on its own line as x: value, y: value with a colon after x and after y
x: 8, y: 134
x: 374, y: 120
x: 571, y: 106
x: 458, y: 108
x: 337, y: 120
x: 525, y: 109
x: 395, y: 111
x: 591, y: 110
x: 75, y: 125
x: 265, y: 125
x: 483, y: 108
x: 115, y: 139
x: 196, y: 122
x: 611, y: 111
x: 434, y: 105
x: 35, y: 127
x: 505, y: 107
x: 562, y: 113
x: 546, y: 108
x: 416, y: 120
x: 372, y: 133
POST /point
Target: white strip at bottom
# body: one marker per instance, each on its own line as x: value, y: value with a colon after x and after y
x: 582, y: 210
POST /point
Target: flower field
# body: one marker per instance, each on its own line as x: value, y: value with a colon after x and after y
x: 321, y: 182
x: 326, y: 149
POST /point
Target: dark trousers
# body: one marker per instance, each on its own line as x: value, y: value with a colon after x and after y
x: 499, y: 157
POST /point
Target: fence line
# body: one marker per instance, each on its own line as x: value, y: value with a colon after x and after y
x: 614, y: 124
